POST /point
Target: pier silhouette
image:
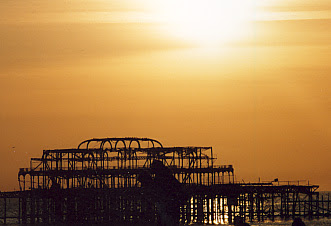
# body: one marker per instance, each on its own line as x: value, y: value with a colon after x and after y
x: 138, y: 181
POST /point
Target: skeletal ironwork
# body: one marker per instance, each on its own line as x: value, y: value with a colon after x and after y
x: 116, y: 162
x: 138, y: 180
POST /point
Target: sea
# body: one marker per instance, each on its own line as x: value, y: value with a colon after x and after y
x: 12, y: 211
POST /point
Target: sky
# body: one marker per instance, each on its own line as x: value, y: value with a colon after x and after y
x: 249, y: 78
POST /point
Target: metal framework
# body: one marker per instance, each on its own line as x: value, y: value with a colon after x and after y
x: 116, y: 180
x: 116, y: 163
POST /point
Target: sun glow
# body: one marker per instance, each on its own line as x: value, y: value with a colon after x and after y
x: 207, y: 21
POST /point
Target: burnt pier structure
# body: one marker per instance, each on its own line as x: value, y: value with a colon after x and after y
x: 137, y: 180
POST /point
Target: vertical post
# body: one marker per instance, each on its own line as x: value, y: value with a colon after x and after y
x: 43, y: 169
x: 188, y: 211
x: 240, y: 203
x: 32, y: 178
x: 258, y: 206
x: 317, y: 206
x: 5, y: 210
x: 19, y: 210
x: 323, y: 206
x: 244, y: 205
x: 194, y: 208
x: 304, y: 208
x: 200, y: 159
x: 294, y: 199
x: 286, y: 204
x: 262, y: 206
x: 45, y: 210
x: 212, y: 165
x: 199, y: 209
x: 310, y: 206
x: 218, y: 208
x: 37, y: 208
x: 182, y: 159
x: 212, y: 200
x: 24, y: 213
x: 223, y: 209
x: 230, y: 212
x: 208, y: 208
x: 272, y: 206
x: 299, y: 204
x: 32, y: 208
x: 328, y: 214
x: 251, y: 209
x: 222, y: 177
x: 283, y: 205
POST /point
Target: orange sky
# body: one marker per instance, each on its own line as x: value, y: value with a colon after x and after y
x: 74, y: 70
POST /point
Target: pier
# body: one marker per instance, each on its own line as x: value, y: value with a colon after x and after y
x: 117, y: 180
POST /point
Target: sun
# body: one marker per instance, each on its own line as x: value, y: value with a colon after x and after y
x: 207, y: 22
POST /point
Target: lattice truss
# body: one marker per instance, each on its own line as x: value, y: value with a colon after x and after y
x: 117, y: 162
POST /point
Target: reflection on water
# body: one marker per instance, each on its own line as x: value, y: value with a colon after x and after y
x: 222, y: 210
x: 315, y: 222
x: 213, y: 211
